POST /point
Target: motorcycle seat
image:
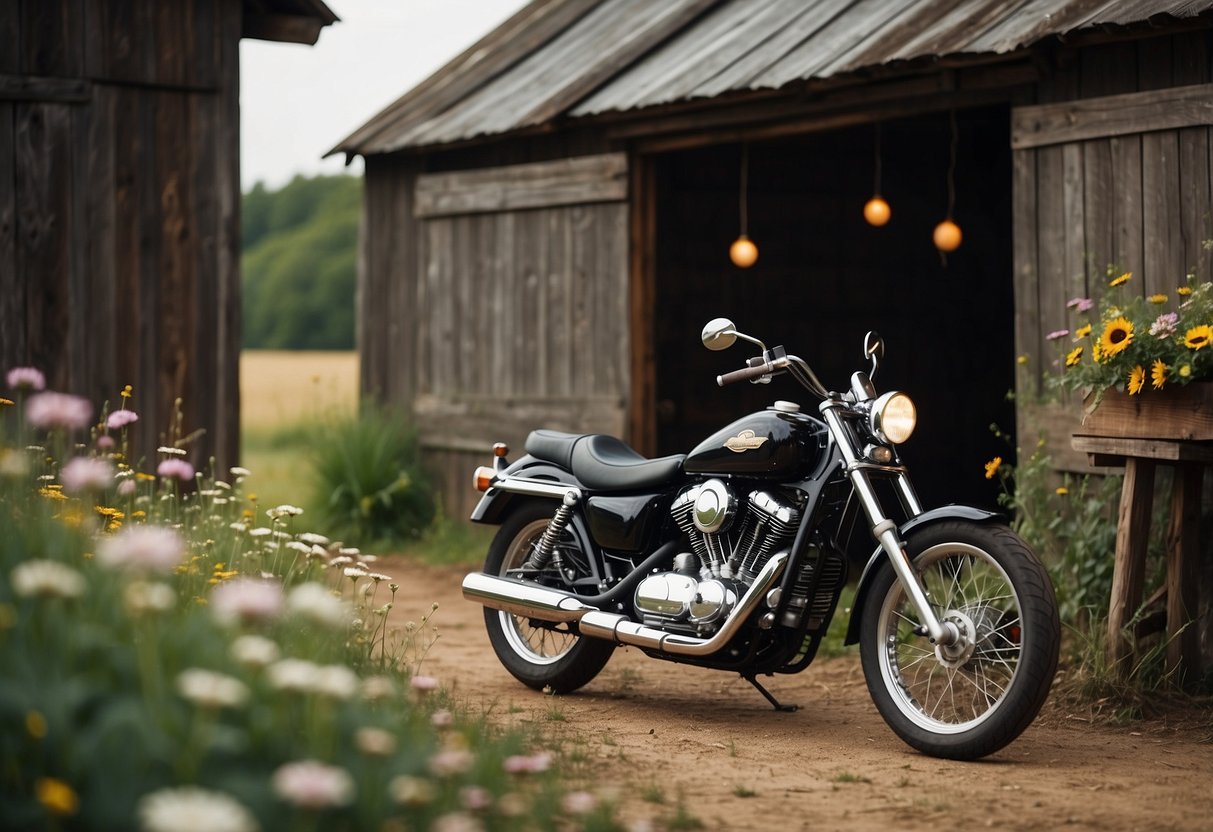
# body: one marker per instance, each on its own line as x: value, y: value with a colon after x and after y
x: 601, y: 462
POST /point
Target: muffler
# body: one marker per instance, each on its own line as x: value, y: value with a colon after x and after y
x: 547, y: 604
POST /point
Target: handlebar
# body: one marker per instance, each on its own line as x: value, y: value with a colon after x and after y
x: 748, y: 374
x: 774, y: 361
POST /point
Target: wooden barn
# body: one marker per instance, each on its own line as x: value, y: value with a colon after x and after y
x: 120, y: 200
x: 548, y: 217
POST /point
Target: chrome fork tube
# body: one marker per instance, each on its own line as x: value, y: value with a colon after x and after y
x: 884, y: 530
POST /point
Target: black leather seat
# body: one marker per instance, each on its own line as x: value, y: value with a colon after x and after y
x: 602, y: 463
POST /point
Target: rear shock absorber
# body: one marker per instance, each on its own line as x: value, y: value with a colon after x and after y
x: 545, y: 549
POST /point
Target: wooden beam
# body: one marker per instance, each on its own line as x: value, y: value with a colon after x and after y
x: 284, y: 28
x: 37, y: 88
x: 641, y: 414
x: 1129, y: 570
x: 576, y: 181
x: 1112, y: 115
x: 1183, y: 553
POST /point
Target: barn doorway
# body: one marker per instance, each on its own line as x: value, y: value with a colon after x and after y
x: 824, y: 277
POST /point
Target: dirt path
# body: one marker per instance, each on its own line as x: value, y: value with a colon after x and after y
x: 665, y: 739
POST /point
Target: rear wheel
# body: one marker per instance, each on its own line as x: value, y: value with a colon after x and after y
x: 541, y: 654
x: 969, y: 699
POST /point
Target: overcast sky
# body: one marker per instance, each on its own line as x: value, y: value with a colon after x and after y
x: 298, y: 101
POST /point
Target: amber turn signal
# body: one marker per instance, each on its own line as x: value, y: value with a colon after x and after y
x: 500, y: 449
x: 482, y: 478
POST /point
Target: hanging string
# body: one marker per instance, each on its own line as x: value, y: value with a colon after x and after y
x: 952, y: 165
x: 876, y: 166
x: 745, y: 186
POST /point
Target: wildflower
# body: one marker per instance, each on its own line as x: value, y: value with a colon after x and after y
x: 578, y: 803
x: 25, y: 378
x: 311, y: 784
x: 255, y: 651
x: 1198, y: 337
x: 1137, y: 380
x: 1057, y: 333
x: 6, y: 402
x: 412, y: 791
x: 47, y: 579
x: 475, y: 798
x: 314, y: 539
x: 423, y: 684
x: 1074, y: 356
x: 527, y: 764
x: 170, y: 450
x: 456, y: 822
x: 340, y: 560
x: 58, y: 410
x: 378, y: 576
x: 56, y: 796
x: 279, y: 512
x: 1184, y: 371
x: 992, y: 467
x: 1184, y: 291
x: 191, y: 809
x: 105, y: 442
x: 1083, y: 331
x: 335, y: 681
x: 261, y: 531
x: 120, y: 419
x: 1080, y: 304
x: 83, y: 473
x: 442, y: 718
x: 375, y: 688
x: 1124, y: 278
x: 1116, y: 338
x: 142, y: 548
x: 292, y: 675
x: 35, y: 724
x: 1157, y: 298
x: 246, y: 601
x: 1061, y: 491
x: 237, y: 472
x: 375, y: 742
x: 1021, y: 360
x: 127, y: 392
x: 1158, y: 374
x: 451, y: 761
x: 141, y: 597
x: 300, y: 547
x: 316, y: 603
x: 211, y: 690
x: 354, y: 572
x: 175, y: 469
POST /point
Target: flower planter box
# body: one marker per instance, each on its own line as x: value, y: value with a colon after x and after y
x: 1184, y: 413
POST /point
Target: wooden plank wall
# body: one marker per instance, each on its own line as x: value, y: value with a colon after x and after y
x: 119, y: 207
x: 1111, y: 170
x: 489, y: 323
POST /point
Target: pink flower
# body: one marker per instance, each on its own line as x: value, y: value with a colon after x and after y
x: 246, y: 601
x: 142, y: 548
x: 126, y: 488
x: 121, y: 418
x: 578, y: 803
x: 451, y: 761
x: 1057, y: 333
x: 1080, y: 304
x: 475, y: 798
x: 105, y: 442
x: 1164, y: 325
x: 423, y: 684
x: 442, y: 719
x: 523, y: 764
x: 174, y: 468
x: 311, y: 784
x: 58, y: 410
x: 84, y: 473
x: 26, y: 378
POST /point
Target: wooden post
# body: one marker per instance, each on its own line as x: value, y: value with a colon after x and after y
x: 1128, y: 577
x: 1183, y: 552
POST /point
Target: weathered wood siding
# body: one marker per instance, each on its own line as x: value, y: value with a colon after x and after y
x: 1111, y: 170
x: 119, y: 207
x: 498, y: 306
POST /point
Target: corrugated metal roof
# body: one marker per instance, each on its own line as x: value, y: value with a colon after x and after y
x: 584, y: 57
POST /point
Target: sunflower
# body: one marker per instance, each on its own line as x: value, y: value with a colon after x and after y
x: 1198, y: 337
x: 1083, y: 331
x: 1157, y: 298
x: 1124, y: 278
x: 1158, y: 374
x: 1184, y: 291
x: 1137, y: 380
x: 1116, y: 338
x: 992, y: 467
x: 1073, y: 356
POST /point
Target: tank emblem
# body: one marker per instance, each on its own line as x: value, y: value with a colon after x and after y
x: 744, y: 441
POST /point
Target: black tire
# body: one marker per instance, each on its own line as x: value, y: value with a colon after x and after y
x: 538, y: 654
x: 966, y: 701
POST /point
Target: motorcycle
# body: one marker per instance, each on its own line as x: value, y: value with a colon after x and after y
x: 734, y: 556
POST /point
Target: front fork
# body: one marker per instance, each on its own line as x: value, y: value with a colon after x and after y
x: 883, y: 528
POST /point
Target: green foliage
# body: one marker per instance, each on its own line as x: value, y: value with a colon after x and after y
x: 299, y: 264
x: 371, y: 487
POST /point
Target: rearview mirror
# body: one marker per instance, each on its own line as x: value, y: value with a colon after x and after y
x: 719, y: 334
x: 873, y: 348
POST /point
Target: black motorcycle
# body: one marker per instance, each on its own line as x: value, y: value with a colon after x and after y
x: 733, y: 557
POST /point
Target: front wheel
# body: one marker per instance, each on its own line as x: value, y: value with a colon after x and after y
x: 538, y: 653
x: 969, y: 699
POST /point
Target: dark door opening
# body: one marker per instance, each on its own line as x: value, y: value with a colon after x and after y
x: 824, y: 277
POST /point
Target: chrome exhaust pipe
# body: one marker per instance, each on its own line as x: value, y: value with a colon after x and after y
x: 544, y: 604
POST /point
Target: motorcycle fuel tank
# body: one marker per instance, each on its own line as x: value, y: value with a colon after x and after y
x: 777, y: 442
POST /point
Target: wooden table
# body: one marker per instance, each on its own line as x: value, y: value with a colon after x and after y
x: 1140, y: 457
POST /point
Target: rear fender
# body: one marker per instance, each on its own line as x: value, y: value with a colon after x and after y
x: 935, y: 515
x: 494, y: 504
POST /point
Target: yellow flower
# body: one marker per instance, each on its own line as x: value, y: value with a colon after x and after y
x: 1073, y: 356
x: 56, y: 796
x: 1124, y: 278
x: 52, y: 492
x: 1185, y: 371
x: 1061, y: 491
x: 1157, y: 298
x: 1198, y: 337
x: 35, y: 724
x: 1116, y: 338
x: 1158, y: 374
x: 1184, y: 291
x: 1023, y: 359
x: 992, y: 467
x: 1137, y: 380
x: 126, y: 392
x: 142, y: 477
x: 1083, y: 331
x: 1095, y: 356
x: 4, y: 401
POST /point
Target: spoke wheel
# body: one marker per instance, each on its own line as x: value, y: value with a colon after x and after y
x: 540, y: 654
x: 969, y: 698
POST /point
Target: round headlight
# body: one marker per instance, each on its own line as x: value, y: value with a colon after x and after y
x: 893, y: 418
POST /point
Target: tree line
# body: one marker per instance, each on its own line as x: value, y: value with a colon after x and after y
x: 299, y: 258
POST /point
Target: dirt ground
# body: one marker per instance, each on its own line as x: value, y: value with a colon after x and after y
x: 669, y: 741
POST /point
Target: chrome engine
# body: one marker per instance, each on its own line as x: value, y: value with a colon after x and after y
x: 732, y: 539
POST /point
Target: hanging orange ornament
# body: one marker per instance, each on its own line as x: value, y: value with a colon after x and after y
x: 947, y: 236
x: 876, y: 211
x: 743, y: 252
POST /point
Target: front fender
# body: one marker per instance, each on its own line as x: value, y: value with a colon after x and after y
x: 492, y: 506
x: 935, y: 515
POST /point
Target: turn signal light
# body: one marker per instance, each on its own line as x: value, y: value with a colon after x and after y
x: 482, y: 478
x: 500, y: 449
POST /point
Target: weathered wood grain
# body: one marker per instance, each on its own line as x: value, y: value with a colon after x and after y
x: 1112, y: 115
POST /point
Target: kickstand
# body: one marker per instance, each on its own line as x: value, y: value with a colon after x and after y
x: 775, y: 703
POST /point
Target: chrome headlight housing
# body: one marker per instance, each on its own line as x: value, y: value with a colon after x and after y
x: 892, y: 418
